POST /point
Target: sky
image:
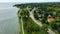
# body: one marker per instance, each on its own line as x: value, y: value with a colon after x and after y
x: 29, y: 1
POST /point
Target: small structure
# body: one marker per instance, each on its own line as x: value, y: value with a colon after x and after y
x: 50, y: 18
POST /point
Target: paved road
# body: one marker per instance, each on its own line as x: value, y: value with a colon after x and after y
x: 50, y: 31
x: 39, y: 23
x: 32, y: 16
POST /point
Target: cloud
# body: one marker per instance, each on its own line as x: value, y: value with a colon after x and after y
x: 29, y: 0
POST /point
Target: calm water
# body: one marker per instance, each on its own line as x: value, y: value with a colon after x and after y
x: 8, y: 19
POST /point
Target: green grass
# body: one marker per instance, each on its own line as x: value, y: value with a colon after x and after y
x: 29, y: 24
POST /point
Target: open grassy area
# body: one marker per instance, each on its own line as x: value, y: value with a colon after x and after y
x: 30, y: 27
x: 47, y: 13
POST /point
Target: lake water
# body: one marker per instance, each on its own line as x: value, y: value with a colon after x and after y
x: 8, y: 19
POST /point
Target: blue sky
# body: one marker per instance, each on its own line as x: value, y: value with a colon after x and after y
x: 29, y: 1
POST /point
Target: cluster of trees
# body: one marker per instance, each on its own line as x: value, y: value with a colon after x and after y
x: 54, y: 11
x: 23, y: 13
x: 55, y: 26
x: 31, y: 27
x: 44, y: 9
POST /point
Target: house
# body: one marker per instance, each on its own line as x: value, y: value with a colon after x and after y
x: 50, y: 18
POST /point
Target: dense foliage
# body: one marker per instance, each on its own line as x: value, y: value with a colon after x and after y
x: 41, y: 14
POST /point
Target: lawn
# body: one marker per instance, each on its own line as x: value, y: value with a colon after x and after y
x: 30, y: 27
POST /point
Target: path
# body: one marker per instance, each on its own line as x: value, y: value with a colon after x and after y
x: 50, y: 31
x: 39, y: 23
x: 22, y: 25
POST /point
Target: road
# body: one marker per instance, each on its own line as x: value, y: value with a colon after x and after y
x: 50, y: 31
x: 32, y: 16
x: 39, y: 23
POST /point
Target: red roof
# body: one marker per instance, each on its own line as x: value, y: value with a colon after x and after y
x: 51, y: 19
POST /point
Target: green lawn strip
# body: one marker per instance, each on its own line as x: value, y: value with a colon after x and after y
x: 30, y: 23
x: 20, y: 26
x: 33, y: 27
x: 25, y: 31
x: 33, y: 23
x: 21, y: 33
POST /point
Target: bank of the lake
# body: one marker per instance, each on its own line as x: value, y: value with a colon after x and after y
x: 8, y: 19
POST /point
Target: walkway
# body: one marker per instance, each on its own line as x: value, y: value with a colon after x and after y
x: 39, y: 23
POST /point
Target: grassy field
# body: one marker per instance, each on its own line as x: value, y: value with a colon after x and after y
x: 30, y: 27
x: 42, y: 13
